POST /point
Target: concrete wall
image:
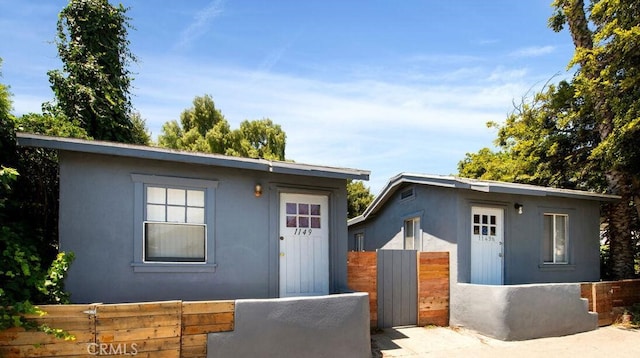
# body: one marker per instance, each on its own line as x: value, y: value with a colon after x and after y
x: 97, y: 224
x: 324, y: 326
x: 522, y: 312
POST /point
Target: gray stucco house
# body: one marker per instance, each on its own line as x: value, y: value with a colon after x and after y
x: 497, y: 233
x: 516, y: 251
x: 147, y: 223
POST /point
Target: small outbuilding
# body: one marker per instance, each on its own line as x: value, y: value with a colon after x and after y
x: 149, y: 224
x: 496, y: 233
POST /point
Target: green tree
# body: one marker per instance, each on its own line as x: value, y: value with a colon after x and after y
x: 203, y: 128
x: 258, y: 139
x: 358, y: 198
x: 7, y: 141
x: 25, y: 248
x: 583, y: 133
x: 93, y: 87
x: 543, y: 142
x: 140, y: 132
x: 606, y: 36
x: 490, y: 165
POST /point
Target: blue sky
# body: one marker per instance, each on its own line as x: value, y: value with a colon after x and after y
x: 387, y: 86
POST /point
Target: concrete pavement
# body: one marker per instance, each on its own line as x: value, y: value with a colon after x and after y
x: 458, y: 342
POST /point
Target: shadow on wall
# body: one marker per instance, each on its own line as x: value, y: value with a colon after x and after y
x: 322, y: 326
x: 521, y: 312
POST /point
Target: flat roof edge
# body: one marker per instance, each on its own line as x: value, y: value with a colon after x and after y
x: 165, y: 154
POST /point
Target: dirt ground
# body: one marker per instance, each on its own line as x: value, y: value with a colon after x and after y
x: 451, y: 342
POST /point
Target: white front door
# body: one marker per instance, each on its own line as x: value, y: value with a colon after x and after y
x: 487, y: 243
x: 304, y: 245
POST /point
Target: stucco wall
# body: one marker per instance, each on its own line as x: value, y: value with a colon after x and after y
x: 385, y: 231
x: 521, y: 312
x: 523, y: 249
x: 97, y: 224
x: 324, y: 326
x: 445, y: 217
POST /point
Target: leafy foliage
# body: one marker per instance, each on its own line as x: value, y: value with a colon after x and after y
x: 93, y: 87
x: 203, y: 128
x: 7, y: 136
x: 606, y: 35
x: 358, y: 198
x: 584, y: 133
x: 23, y: 279
x: 258, y: 139
x: 545, y: 141
x: 28, y: 213
x: 48, y: 124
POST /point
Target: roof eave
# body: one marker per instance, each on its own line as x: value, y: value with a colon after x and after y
x: 481, y: 186
x: 155, y: 153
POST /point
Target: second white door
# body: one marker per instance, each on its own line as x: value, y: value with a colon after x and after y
x: 487, y: 245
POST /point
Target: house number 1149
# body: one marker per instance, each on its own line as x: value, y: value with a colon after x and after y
x: 302, y: 232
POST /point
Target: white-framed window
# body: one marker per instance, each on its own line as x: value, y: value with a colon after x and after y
x: 555, y: 238
x: 358, y: 242
x: 412, y: 236
x: 173, y: 224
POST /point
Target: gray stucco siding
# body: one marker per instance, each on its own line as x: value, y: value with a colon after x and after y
x: 523, y: 237
x: 97, y: 196
x: 434, y: 207
x: 446, y: 226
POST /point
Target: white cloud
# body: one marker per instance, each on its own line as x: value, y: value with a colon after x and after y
x: 200, y: 23
x: 533, y: 51
x: 366, y: 124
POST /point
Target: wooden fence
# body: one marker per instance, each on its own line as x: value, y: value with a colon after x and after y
x: 433, y: 288
x: 609, y: 298
x: 362, y: 276
x: 433, y: 284
x: 152, y: 329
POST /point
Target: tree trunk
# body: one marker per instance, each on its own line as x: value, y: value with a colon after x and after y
x: 619, y: 215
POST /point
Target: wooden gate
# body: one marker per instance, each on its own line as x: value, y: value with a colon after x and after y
x: 432, y: 277
x: 397, y: 288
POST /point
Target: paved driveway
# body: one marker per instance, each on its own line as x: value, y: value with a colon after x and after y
x: 610, y: 341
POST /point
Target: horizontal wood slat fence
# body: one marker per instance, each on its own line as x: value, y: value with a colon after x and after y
x: 433, y: 288
x: 609, y: 298
x: 433, y: 284
x: 150, y: 329
x: 362, y: 276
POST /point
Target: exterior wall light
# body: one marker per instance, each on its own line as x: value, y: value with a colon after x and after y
x: 518, y: 207
x: 258, y: 190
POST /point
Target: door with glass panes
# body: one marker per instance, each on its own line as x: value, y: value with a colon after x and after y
x: 304, y: 245
x: 487, y: 245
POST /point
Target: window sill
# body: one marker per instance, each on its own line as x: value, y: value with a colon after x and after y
x: 173, y: 267
x: 557, y: 267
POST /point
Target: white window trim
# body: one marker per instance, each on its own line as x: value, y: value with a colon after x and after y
x: 413, y: 216
x: 138, y: 263
x: 553, y: 243
x: 359, y: 241
x: 417, y: 233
